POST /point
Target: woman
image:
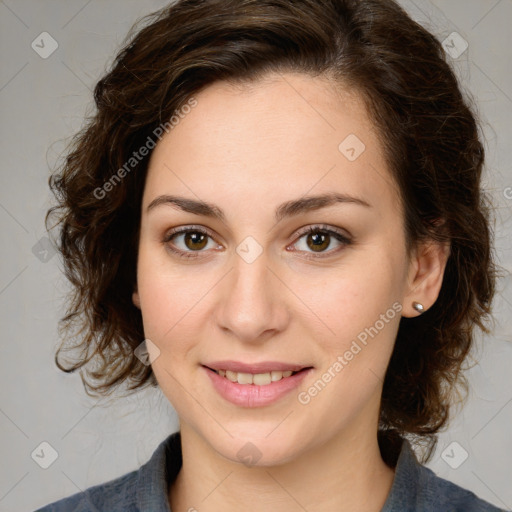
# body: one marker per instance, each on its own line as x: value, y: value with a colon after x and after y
x: 276, y: 217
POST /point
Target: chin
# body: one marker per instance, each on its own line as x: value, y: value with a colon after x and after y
x: 259, y: 449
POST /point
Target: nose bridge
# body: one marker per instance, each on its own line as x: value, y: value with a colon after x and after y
x: 250, y: 269
x: 250, y: 279
x: 252, y: 303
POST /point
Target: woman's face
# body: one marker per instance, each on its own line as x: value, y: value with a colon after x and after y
x: 257, y: 292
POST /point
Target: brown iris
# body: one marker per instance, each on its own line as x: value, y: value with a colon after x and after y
x: 198, y: 240
x: 321, y: 241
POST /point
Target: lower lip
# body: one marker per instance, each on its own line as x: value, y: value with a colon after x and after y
x: 251, y: 395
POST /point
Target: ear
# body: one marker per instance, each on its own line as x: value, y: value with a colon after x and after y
x: 136, y: 299
x: 425, y: 278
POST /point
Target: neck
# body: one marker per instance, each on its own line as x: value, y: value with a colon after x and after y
x: 346, y: 473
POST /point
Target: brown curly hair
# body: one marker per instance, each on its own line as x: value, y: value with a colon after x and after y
x: 427, y: 129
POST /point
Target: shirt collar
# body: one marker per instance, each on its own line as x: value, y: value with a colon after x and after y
x: 155, y: 476
x: 408, y: 476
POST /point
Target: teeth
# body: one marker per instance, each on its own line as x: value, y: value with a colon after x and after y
x: 260, y: 379
x: 232, y: 376
x: 244, y: 378
x: 277, y: 375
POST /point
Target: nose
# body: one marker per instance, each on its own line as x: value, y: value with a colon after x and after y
x: 253, y: 306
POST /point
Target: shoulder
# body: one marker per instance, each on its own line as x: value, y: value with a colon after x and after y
x: 442, y: 494
x: 417, y: 488
x: 114, y: 495
x: 143, y: 489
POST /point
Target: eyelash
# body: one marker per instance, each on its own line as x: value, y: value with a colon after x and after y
x: 319, y: 229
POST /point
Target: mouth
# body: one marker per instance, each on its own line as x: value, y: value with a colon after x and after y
x: 257, y: 384
x: 258, y: 379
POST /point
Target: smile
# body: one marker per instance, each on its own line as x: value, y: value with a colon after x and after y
x: 259, y: 379
x: 245, y: 389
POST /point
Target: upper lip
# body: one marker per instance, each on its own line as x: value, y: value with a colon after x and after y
x: 254, y: 368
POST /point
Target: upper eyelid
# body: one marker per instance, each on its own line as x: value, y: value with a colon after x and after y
x: 323, y: 227
x: 184, y: 229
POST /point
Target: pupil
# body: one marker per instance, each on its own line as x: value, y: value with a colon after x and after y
x: 193, y: 238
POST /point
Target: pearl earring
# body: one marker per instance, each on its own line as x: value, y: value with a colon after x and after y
x: 418, y: 307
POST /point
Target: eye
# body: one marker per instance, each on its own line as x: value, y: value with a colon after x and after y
x: 320, y: 238
x: 193, y: 239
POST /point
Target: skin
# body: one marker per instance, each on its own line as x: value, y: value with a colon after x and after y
x: 247, y: 150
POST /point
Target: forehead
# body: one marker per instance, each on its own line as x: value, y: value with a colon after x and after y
x: 282, y: 136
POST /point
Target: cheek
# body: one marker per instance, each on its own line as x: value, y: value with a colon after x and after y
x: 359, y: 310
x: 170, y: 297
x: 170, y: 305
x: 362, y: 317
x: 352, y: 297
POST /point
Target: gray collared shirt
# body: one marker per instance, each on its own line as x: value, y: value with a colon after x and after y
x: 415, y: 488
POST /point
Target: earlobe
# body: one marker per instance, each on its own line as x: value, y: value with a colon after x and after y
x: 136, y: 299
x: 427, y: 272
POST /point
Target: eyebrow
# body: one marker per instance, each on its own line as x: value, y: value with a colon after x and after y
x: 287, y: 209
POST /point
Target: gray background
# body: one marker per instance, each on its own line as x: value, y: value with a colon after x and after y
x: 43, y: 102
